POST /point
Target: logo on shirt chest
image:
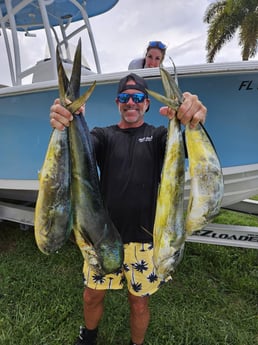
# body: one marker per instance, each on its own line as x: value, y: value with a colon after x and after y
x: 145, y: 139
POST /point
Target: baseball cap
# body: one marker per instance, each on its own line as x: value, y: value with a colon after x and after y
x: 140, y: 84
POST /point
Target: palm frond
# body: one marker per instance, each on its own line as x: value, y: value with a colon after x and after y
x: 224, y: 18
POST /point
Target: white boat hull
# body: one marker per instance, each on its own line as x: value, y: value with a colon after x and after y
x: 240, y: 183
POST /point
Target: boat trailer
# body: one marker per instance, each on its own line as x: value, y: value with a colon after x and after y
x: 213, y: 233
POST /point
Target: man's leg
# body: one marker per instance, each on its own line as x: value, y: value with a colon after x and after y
x: 93, y: 306
x: 139, y: 317
x: 142, y: 282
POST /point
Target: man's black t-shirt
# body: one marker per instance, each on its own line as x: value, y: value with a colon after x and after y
x: 130, y: 163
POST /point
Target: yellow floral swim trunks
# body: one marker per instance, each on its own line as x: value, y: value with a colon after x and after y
x: 137, y: 272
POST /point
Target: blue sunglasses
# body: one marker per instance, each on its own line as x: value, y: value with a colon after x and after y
x: 136, y: 97
x: 157, y: 44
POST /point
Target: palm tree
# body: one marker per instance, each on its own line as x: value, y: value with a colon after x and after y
x: 224, y: 18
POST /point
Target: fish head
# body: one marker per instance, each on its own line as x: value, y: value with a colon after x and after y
x: 168, y: 264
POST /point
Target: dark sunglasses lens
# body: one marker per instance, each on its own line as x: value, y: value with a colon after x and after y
x: 138, y: 97
x: 123, y: 97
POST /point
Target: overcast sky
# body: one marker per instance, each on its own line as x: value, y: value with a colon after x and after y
x: 124, y: 32
x: 177, y: 23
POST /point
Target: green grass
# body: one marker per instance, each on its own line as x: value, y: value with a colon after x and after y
x: 212, y: 300
x: 236, y: 218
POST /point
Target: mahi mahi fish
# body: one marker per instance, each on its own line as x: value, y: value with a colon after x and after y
x: 91, y: 221
x: 207, y: 185
x: 53, y: 221
x: 168, y: 233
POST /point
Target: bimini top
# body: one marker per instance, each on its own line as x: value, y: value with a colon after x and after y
x: 28, y: 14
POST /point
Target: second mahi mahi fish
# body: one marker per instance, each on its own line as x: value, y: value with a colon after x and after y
x: 91, y: 222
x: 207, y: 185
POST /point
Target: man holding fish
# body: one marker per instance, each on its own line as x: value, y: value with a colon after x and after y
x: 130, y: 158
